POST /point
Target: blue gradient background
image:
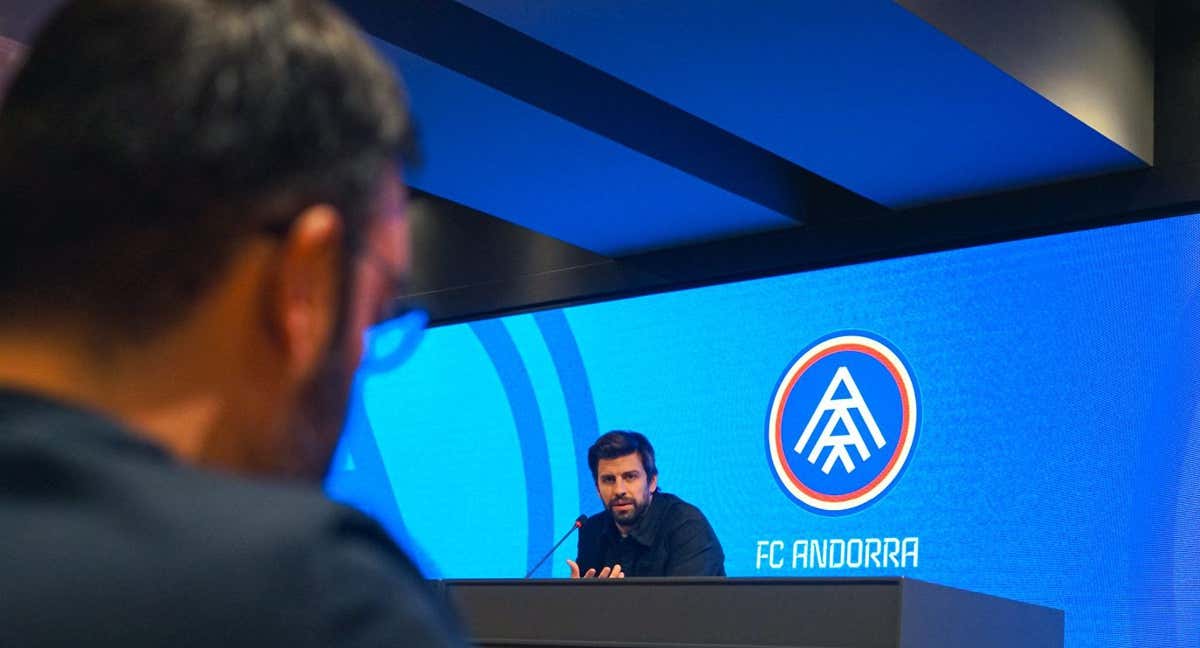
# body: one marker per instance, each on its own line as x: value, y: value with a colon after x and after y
x: 1057, y: 458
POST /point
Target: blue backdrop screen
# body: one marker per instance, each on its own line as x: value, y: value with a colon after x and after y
x: 1018, y: 419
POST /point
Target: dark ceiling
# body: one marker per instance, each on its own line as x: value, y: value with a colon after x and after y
x: 578, y: 149
x: 636, y: 146
x: 623, y: 127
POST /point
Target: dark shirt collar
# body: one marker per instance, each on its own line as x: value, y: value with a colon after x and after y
x: 646, y: 529
x: 27, y: 413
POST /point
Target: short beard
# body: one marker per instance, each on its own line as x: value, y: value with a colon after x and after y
x: 633, y: 516
x: 313, y: 431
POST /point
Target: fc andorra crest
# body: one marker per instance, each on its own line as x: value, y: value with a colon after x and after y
x: 843, y: 423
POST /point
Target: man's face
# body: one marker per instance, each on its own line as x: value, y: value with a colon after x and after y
x: 319, y: 416
x: 624, y: 488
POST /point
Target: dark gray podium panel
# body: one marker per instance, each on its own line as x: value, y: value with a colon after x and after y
x: 741, y: 613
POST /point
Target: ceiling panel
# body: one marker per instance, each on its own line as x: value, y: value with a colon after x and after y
x: 486, y: 150
x: 863, y: 92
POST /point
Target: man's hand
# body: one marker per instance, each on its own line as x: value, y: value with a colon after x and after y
x: 607, y: 572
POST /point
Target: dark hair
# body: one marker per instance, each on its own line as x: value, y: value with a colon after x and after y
x: 619, y: 443
x: 142, y: 140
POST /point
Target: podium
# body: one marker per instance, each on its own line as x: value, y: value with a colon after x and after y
x: 745, y: 613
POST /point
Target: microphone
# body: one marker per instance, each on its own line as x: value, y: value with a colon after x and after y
x: 578, y: 523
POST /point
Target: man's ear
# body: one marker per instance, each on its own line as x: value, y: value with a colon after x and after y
x: 308, y: 282
x: 654, y: 484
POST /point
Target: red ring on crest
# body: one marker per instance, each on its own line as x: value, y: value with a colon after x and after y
x: 777, y: 424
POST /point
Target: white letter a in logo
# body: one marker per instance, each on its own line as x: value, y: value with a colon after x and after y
x: 840, y: 408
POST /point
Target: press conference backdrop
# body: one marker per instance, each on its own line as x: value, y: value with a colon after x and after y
x: 1019, y: 419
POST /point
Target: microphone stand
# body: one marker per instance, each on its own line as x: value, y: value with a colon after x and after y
x: 578, y: 523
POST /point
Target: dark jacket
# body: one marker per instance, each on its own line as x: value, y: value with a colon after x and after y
x: 673, y: 538
x: 106, y: 541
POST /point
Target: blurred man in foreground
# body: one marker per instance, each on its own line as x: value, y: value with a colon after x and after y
x: 202, y: 213
x: 642, y: 531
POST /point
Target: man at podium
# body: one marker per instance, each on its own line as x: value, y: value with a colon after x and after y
x: 642, y: 531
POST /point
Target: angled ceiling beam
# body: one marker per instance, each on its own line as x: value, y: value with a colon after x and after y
x: 1094, y: 58
x: 467, y: 262
x: 1111, y: 199
x: 477, y: 46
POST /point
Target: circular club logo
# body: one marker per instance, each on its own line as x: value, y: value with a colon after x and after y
x: 843, y: 423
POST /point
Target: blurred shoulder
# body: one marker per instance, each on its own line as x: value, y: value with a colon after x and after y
x: 334, y: 570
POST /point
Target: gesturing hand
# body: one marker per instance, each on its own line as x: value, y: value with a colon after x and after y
x: 607, y: 572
